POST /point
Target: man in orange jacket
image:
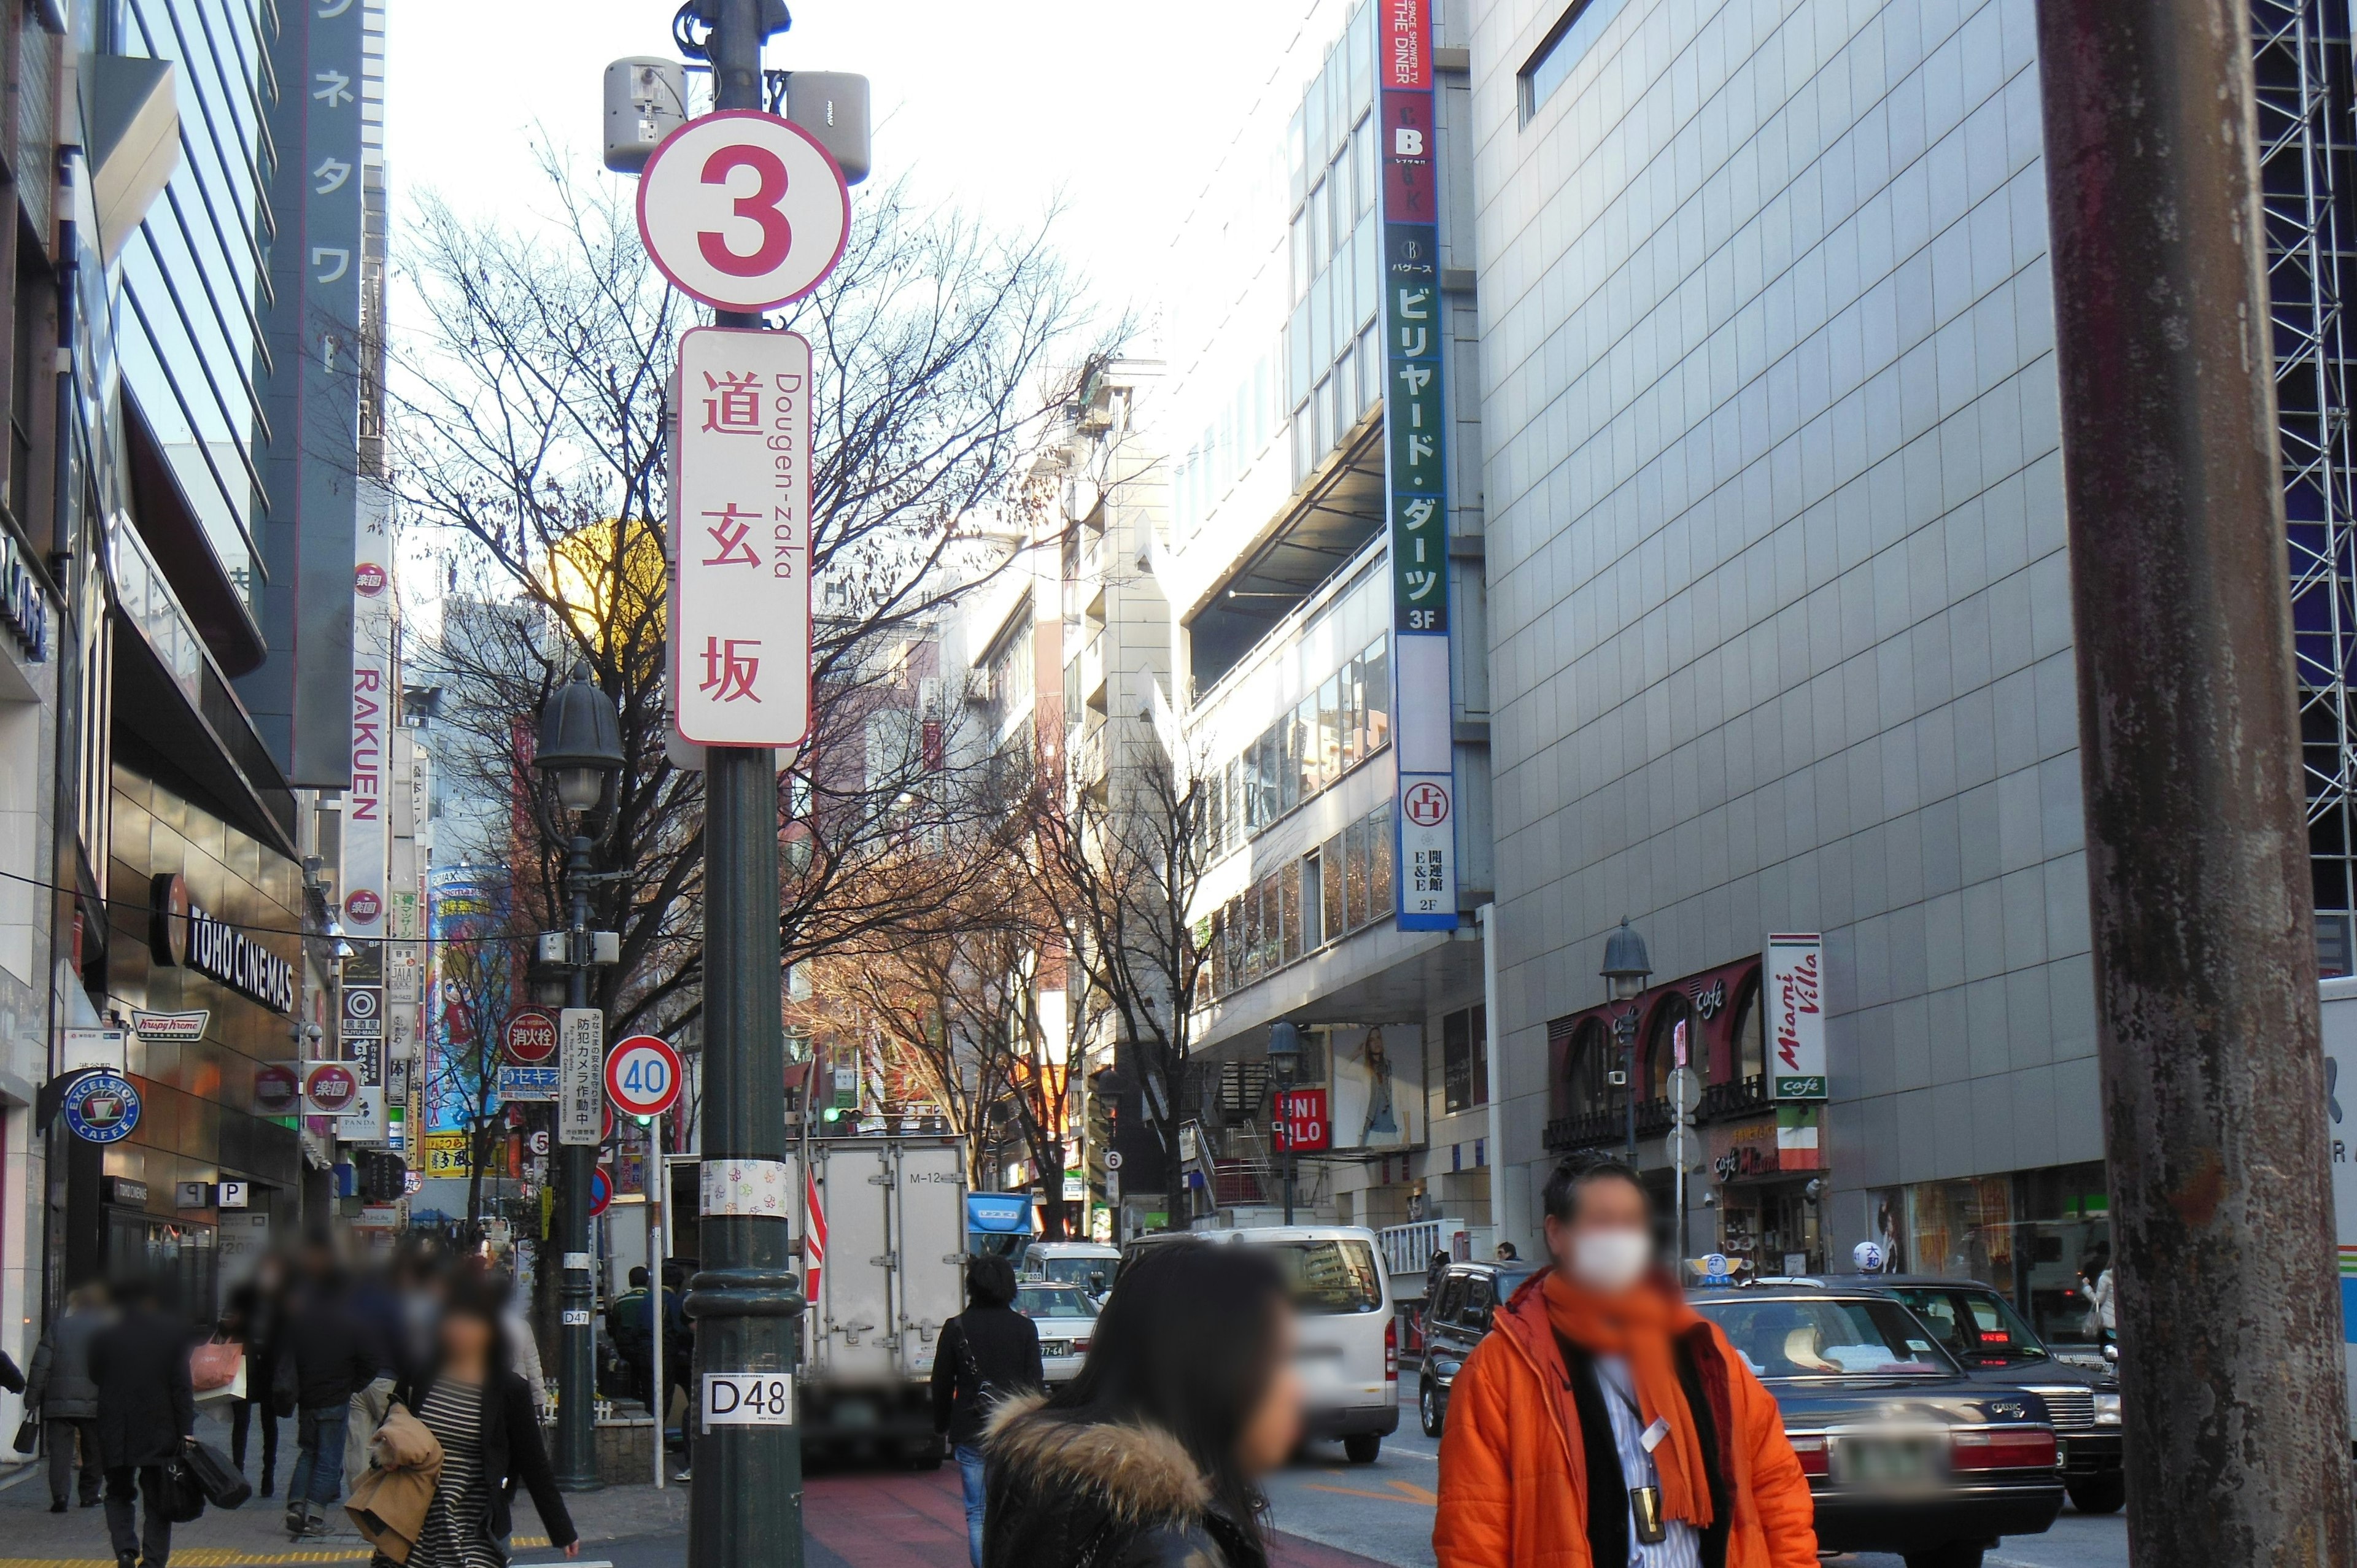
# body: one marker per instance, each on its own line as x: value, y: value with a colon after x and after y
x: 1605, y: 1425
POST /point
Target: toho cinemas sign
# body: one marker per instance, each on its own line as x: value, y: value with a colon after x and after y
x: 1793, y: 990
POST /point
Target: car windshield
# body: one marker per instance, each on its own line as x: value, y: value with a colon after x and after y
x: 1972, y: 1323
x: 1052, y: 1300
x: 1816, y: 1336
x: 1075, y: 1271
x: 1330, y: 1278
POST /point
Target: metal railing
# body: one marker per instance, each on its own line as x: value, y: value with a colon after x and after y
x: 1605, y: 1127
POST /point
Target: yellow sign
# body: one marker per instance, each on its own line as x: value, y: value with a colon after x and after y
x: 446, y: 1155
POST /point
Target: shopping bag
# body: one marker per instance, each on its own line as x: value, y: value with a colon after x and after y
x: 214, y: 1365
x: 28, y: 1433
x: 224, y: 1488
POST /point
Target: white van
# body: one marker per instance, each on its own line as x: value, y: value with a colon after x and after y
x: 1088, y: 1264
x: 1349, y: 1351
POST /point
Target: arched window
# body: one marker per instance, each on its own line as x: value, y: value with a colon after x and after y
x: 1659, y: 1057
x: 1591, y: 1056
x: 1750, y: 1052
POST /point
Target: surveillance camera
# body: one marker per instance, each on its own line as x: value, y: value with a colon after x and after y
x: 1710, y: 1200
x: 1815, y: 1189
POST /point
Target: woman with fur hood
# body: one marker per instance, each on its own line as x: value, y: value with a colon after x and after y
x: 1149, y: 1458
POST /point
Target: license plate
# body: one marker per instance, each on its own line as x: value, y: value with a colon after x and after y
x: 1887, y: 1461
x: 855, y: 1412
x: 1055, y: 1348
x: 2061, y: 1452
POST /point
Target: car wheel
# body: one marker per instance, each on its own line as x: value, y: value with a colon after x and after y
x: 2099, y: 1494
x: 1362, y: 1447
x: 1428, y: 1407
x: 1955, y: 1554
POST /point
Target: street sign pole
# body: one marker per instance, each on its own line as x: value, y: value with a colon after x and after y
x: 659, y: 1395
x: 576, y: 1406
x: 746, y: 1508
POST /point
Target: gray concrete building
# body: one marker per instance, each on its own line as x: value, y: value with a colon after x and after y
x: 1779, y: 615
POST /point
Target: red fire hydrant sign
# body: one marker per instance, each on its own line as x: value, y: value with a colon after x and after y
x: 740, y: 646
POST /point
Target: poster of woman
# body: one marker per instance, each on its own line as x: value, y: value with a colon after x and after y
x: 1378, y: 1086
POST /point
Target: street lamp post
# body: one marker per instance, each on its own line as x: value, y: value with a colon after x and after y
x: 1285, y: 1063
x: 746, y: 1304
x: 580, y: 751
x: 1627, y: 967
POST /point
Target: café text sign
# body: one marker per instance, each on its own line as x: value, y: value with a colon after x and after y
x: 740, y: 538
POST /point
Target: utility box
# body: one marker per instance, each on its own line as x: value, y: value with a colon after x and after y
x: 832, y: 105
x: 646, y: 100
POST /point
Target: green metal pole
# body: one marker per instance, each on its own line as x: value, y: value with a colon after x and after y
x: 576, y: 1165
x: 745, y: 1506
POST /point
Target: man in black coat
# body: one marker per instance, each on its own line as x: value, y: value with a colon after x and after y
x: 328, y: 1352
x: 147, y: 1413
x: 987, y: 1353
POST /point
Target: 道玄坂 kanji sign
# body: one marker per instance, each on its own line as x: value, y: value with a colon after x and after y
x: 740, y: 538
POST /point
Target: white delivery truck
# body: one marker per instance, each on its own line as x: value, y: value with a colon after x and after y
x: 2339, y: 1009
x: 891, y: 1274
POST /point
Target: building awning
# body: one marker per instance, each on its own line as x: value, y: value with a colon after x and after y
x: 130, y: 114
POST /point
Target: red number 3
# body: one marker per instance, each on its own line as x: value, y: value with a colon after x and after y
x: 761, y: 206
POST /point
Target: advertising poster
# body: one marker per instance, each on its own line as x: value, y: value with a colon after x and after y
x: 1378, y: 1086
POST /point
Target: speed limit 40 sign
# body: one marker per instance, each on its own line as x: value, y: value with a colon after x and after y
x: 742, y: 210
x: 643, y: 1076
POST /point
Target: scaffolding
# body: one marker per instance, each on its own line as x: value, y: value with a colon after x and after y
x: 2301, y: 65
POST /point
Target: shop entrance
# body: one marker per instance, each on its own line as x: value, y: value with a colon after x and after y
x: 1771, y: 1228
x: 178, y: 1257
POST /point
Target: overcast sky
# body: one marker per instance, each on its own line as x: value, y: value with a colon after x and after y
x: 1121, y: 106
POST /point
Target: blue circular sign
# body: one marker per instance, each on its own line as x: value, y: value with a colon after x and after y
x: 102, y: 1107
x: 601, y: 1191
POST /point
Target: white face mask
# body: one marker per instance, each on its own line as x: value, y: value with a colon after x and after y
x: 1609, y: 1261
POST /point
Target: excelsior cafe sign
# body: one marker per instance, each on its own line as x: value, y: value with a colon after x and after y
x: 181, y: 934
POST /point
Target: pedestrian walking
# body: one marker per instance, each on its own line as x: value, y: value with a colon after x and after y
x: 629, y: 1326
x: 2102, y: 1323
x: 1605, y: 1425
x: 987, y: 1353
x: 62, y: 1391
x: 1152, y: 1457
x: 333, y: 1357
x: 146, y: 1415
x: 481, y: 1411
x: 250, y: 1319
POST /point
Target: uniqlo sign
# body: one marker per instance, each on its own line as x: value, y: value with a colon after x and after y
x: 740, y: 538
x: 1301, y: 1120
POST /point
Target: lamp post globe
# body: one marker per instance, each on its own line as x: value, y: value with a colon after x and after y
x: 580, y: 741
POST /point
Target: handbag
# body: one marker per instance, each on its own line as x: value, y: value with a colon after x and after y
x: 223, y: 1487
x: 28, y: 1433
x: 184, y: 1495
x: 214, y: 1365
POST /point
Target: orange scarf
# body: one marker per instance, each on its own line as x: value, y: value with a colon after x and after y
x: 1639, y: 1325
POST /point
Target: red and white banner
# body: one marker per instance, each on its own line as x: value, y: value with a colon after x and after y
x: 740, y: 538
x: 813, y: 1237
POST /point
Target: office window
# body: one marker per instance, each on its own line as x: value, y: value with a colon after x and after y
x: 1335, y: 919
x: 1550, y: 64
x: 1354, y: 837
x: 1375, y: 662
x: 1330, y: 731
x: 1379, y: 861
x: 1287, y: 761
x: 1353, y: 714
x: 1362, y: 157
x: 1288, y: 898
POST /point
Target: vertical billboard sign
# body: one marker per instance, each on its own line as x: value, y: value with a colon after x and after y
x: 1794, y: 991
x: 368, y: 804
x: 1415, y: 467
x: 321, y: 61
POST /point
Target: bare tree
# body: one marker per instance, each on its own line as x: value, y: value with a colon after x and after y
x: 528, y: 451
x: 1122, y: 867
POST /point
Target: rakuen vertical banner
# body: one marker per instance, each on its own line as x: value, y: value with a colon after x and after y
x: 1416, y: 464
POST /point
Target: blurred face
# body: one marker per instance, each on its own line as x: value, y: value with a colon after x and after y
x: 466, y: 1339
x: 1274, y: 1430
x: 1607, y: 1245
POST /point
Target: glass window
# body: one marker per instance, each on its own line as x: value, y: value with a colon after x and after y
x: 1054, y: 1301
x: 1456, y: 1064
x: 1975, y: 1324
x: 1314, y: 930
x: 1370, y: 360
x: 1316, y: 139
x: 1288, y: 885
x: 1478, y: 1027
x: 1215, y: 961
x: 1321, y: 229
x: 1252, y: 966
x: 1352, y: 716
x: 1237, y: 962
x: 1379, y: 863
x: 1305, y: 734
x: 1330, y: 1278
x: 1806, y: 1336
x: 1346, y: 394
x: 1362, y: 155
x: 1270, y: 761
x: 1296, y: 145
x: 1376, y: 663
x: 1964, y: 1229
x: 1355, y: 877
x: 1751, y: 1048
x: 1330, y: 731
x: 1452, y: 1299
x: 1550, y: 65
x: 1288, y: 765
x: 1480, y: 1300
x: 1335, y: 917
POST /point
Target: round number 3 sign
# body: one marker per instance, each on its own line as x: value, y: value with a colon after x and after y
x: 742, y: 210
